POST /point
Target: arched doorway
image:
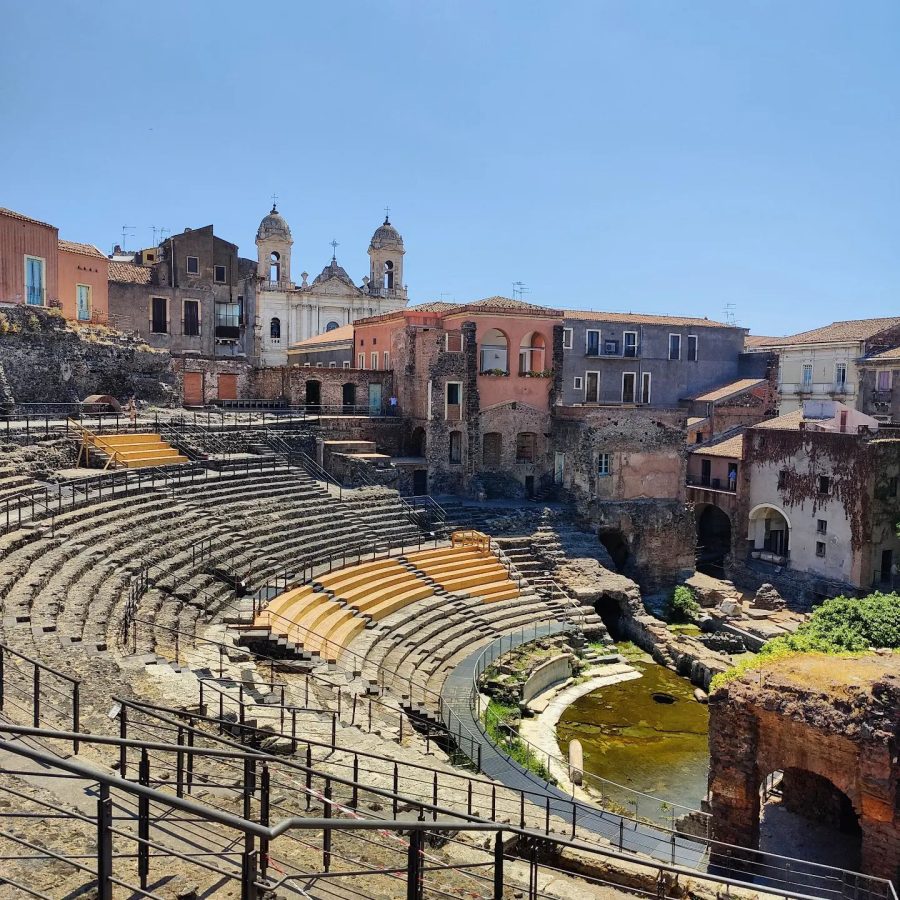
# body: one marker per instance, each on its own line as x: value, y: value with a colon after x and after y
x: 616, y: 545
x: 805, y: 815
x: 713, y: 540
x: 417, y: 442
x: 348, y: 397
x: 494, y: 356
x: 313, y: 393
x: 770, y: 531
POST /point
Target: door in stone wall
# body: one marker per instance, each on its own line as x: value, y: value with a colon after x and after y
x: 227, y: 387
x: 193, y: 389
x: 375, y: 399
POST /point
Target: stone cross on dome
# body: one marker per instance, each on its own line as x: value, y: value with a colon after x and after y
x: 334, y: 246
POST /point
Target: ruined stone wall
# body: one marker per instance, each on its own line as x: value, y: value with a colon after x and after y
x: 839, y: 722
x: 210, y: 369
x: 47, y: 360
x: 289, y: 382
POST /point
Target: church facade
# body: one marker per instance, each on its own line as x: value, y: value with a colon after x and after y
x: 287, y: 312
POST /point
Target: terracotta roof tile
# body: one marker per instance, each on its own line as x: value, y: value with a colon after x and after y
x: 729, y: 390
x: 83, y: 249
x: 760, y: 340
x: 594, y: 315
x: 894, y: 353
x: 12, y: 214
x: 849, y: 330
x: 506, y: 305
x: 731, y: 447
x: 344, y: 334
x: 128, y: 273
x: 788, y: 422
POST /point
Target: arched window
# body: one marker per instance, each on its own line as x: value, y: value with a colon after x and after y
x: 531, y: 353
x: 331, y: 326
x: 274, y: 266
x: 388, y: 276
x: 455, y: 447
x: 275, y: 329
x: 494, y: 352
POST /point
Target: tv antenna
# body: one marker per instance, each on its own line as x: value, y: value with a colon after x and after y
x: 159, y: 234
x: 730, y: 316
x: 519, y: 290
x: 125, y: 234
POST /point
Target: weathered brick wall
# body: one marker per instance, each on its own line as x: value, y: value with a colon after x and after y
x: 276, y: 382
x: 210, y: 369
x: 47, y: 360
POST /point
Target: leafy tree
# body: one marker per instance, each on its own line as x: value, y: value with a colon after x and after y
x: 683, y: 606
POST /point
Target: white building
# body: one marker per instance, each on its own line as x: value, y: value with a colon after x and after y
x: 822, y: 364
x: 287, y: 312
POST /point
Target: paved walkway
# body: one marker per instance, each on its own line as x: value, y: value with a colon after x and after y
x: 622, y: 832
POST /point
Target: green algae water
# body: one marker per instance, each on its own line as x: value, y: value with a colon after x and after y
x: 629, y: 737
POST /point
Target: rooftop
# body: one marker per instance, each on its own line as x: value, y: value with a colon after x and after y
x: 729, y: 390
x: 893, y: 353
x: 761, y: 340
x: 12, y: 214
x: 730, y: 446
x: 837, y: 332
x: 504, y: 305
x: 788, y: 422
x: 128, y: 273
x: 643, y: 319
x: 83, y: 249
x: 341, y: 335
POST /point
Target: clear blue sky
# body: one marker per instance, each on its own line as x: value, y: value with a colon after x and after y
x: 646, y: 155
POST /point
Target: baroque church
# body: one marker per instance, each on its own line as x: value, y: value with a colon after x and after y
x: 287, y: 312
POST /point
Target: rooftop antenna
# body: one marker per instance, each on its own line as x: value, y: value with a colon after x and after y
x: 159, y: 234
x: 125, y: 234
x: 519, y: 290
x: 730, y: 317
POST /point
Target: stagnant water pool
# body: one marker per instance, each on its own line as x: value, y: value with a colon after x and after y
x: 649, y: 734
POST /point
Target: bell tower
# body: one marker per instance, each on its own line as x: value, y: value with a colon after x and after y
x: 273, y: 245
x: 386, y: 262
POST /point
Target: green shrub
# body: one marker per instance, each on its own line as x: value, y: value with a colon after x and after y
x: 684, y: 608
x: 503, y: 734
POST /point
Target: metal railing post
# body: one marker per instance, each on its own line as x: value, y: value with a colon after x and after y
x: 104, y: 844
x: 144, y: 822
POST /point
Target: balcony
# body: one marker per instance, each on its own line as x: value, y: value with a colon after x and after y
x: 821, y: 388
x: 712, y: 484
x: 265, y: 285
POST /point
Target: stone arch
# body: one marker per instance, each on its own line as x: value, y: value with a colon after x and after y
x: 388, y: 275
x: 274, y: 266
x: 331, y: 326
x: 532, y: 353
x: 714, y: 535
x: 769, y: 529
x: 617, y: 546
x: 494, y: 352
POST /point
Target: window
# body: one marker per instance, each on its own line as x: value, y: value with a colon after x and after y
x: 374, y: 341
x: 387, y: 359
x: 193, y: 265
x: 577, y: 382
x: 884, y: 380
x: 821, y: 526
x: 389, y: 276
x: 824, y: 484
x: 592, y: 342
x: 494, y: 352
x: 674, y: 346
x: 361, y: 361
x: 692, y: 348
x: 190, y: 325
x: 228, y: 321
x: 840, y: 375
x: 159, y: 315
x: 525, y: 441
x: 698, y: 437
x: 820, y: 548
x: 274, y: 267
x: 629, y: 340
x: 645, y: 387
x: 567, y: 338
x: 453, y: 342
x: 346, y: 364
x: 83, y: 302
x: 453, y: 406
x: 35, y: 290
x: 331, y: 326
x: 603, y: 467
x: 221, y: 274
x: 275, y: 329
x: 455, y: 448
x: 807, y: 375
x: 491, y: 448
x: 628, y: 379
x: 782, y: 479
x: 610, y: 347
x: 592, y: 387
x: 374, y: 360
x: 332, y: 364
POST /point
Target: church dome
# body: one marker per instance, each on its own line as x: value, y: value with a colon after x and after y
x: 273, y: 225
x: 386, y: 236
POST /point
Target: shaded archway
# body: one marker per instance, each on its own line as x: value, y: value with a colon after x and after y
x: 616, y: 545
x: 713, y: 540
x: 770, y: 530
x: 532, y: 353
x: 494, y: 352
x: 417, y: 442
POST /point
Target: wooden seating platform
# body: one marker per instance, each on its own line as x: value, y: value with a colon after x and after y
x: 467, y: 569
